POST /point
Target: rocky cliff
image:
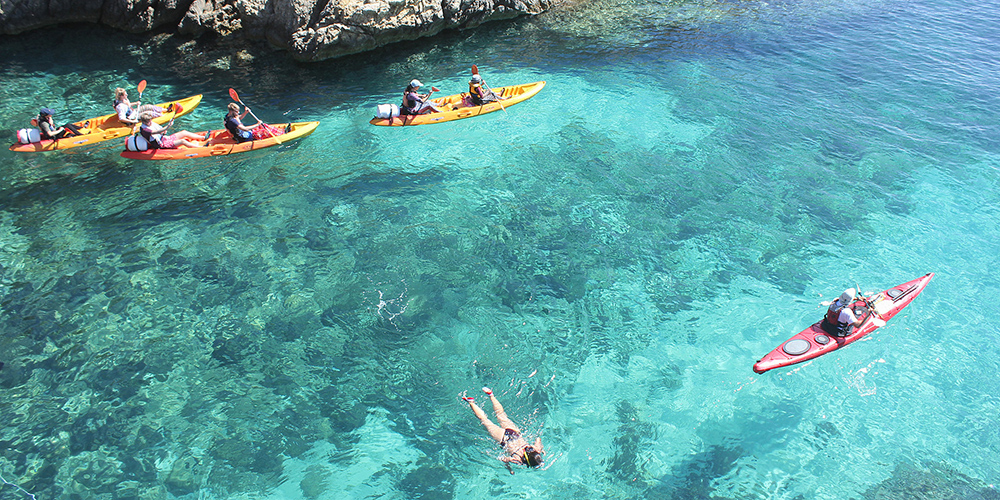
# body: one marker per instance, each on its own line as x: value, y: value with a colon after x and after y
x: 309, y: 29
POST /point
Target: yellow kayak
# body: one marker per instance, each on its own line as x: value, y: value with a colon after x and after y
x: 221, y: 143
x: 454, y: 107
x: 104, y: 128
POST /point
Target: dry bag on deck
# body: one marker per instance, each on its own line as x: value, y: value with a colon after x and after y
x: 136, y: 143
x: 387, y: 111
x: 28, y: 135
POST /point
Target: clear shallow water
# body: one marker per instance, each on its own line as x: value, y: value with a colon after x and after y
x: 611, y: 257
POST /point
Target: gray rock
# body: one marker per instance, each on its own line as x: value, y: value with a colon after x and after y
x: 310, y: 30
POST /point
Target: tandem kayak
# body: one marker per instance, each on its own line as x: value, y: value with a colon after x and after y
x: 104, y: 128
x: 454, y: 107
x: 221, y: 143
x: 815, y: 341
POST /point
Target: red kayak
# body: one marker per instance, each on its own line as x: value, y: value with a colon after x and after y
x: 816, y: 341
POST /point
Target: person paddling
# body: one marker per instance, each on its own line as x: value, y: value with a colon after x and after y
x: 415, y: 103
x: 153, y: 133
x: 517, y: 449
x: 840, y: 319
x: 128, y: 115
x: 477, y: 94
x: 480, y: 93
x: 47, y: 127
x: 243, y: 133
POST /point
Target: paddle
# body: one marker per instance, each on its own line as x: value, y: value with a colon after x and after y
x: 141, y: 87
x: 236, y: 97
x: 475, y: 71
x: 876, y: 318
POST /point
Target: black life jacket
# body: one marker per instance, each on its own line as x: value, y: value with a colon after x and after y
x: 234, y: 129
x: 147, y: 133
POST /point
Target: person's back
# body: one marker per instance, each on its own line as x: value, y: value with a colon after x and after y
x: 840, y: 317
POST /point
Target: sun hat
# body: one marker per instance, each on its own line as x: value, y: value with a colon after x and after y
x: 46, y: 111
x: 415, y: 83
x: 847, y: 296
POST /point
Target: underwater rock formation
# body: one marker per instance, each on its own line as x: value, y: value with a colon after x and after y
x: 930, y: 481
x: 310, y: 29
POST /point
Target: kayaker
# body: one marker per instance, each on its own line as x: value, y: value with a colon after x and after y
x: 153, y: 133
x: 243, y: 133
x: 235, y: 126
x: 127, y: 115
x: 480, y: 95
x: 840, y: 316
x: 517, y: 449
x: 48, y: 129
x: 414, y: 103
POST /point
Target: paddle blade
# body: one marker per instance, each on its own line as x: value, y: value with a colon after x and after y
x: 234, y: 95
x: 141, y: 86
x: 878, y: 322
x: 475, y: 69
x: 435, y: 89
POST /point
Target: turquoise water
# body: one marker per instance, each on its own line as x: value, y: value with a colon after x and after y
x: 611, y: 256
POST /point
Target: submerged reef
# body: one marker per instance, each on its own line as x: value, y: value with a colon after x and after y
x: 932, y: 480
x: 310, y: 30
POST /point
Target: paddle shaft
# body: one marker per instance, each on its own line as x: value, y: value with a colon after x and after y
x: 251, y: 112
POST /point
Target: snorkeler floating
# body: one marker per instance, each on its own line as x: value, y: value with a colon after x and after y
x: 518, y: 450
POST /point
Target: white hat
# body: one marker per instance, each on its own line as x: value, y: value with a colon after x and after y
x: 847, y: 296
x: 414, y: 83
x: 476, y: 78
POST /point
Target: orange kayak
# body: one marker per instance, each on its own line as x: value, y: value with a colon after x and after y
x: 104, y: 128
x: 221, y: 143
x: 454, y: 107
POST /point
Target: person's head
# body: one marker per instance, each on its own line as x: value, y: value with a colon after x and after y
x: 234, y: 109
x: 848, y: 296
x: 476, y: 79
x: 45, y: 113
x: 531, y: 457
x: 414, y: 84
x: 146, y: 117
x: 120, y: 93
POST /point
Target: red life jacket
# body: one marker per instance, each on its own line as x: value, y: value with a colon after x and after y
x: 833, y: 313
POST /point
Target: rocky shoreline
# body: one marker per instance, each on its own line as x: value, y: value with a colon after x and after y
x: 310, y: 30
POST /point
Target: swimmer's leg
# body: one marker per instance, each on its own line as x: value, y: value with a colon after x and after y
x: 505, y: 422
x: 495, y: 431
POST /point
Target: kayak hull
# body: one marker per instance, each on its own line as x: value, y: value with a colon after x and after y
x: 104, y: 128
x: 453, y: 107
x: 222, y: 144
x: 815, y: 341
